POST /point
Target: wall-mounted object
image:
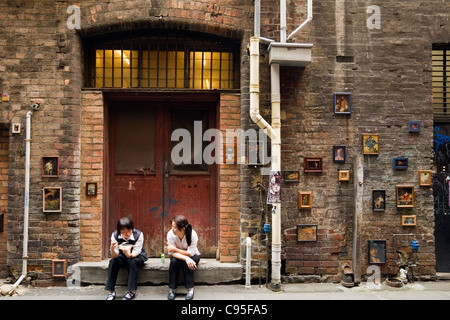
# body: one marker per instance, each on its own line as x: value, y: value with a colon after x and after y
x: 52, y: 199
x: 306, y: 232
x: 5, y: 97
x: 58, y: 268
x: 91, y: 189
x: 230, y: 153
x: 425, y: 178
x: 256, y: 153
x: 409, y: 221
x: 15, y: 128
x: 274, y: 193
x: 371, y: 143
x: 50, y: 167
x: 344, y: 175
x: 378, y: 200
x: 339, y: 154
x: 377, y: 251
x: 405, y: 196
x: 291, y: 176
x: 400, y: 163
x: 414, y: 126
x: 342, y: 102
x: 312, y: 165
x: 305, y: 199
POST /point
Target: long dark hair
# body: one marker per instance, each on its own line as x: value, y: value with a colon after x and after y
x: 124, y: 222
x: 181, y: 223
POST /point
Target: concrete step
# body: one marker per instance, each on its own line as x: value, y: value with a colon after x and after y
x: 210, y: 271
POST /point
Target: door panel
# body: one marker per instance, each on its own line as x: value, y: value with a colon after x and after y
x: 145, y: 184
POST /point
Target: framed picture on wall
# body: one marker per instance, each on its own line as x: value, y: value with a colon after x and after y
x: 342, y: 102
x: 306, y: 232
x: 414, y: 126
x: 312, y: 165
x: 50, y: 167
x: 52, y: 199
x: 305, y: 199
x: 230, y: 153
x: 371, y: 143
x: 405, y: 196
x: 377, y: 251
x: 344, y: 175
x: 425, y: 178
x: 400, y: 163
x: 409, y: 221
x: 291, y: 176
x: 378, y: 200
x: 58, y: 268
x: 339, y: 154
x: 91, y: 189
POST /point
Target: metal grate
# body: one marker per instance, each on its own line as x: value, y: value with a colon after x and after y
x: 172, y: 61
x: 441, y: 84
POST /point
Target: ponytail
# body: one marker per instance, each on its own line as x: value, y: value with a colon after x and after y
x: 189, y: 234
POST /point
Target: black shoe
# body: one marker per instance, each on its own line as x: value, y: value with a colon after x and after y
x: 111, y: 296
x: 129, y: 296
x: 171, y: 295
x: 190, y: 295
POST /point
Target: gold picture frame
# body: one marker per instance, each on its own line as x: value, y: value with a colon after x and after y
x: 371, y: 143
x: 425, y: 178
x: 305, y: 199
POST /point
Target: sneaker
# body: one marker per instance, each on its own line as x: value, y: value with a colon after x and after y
x: 111, y: 296
x: 171, y: 295
x: 129, y: 296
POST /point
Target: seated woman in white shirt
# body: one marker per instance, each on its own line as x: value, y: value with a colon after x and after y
x: 182, y: 248
x: 127, y: 252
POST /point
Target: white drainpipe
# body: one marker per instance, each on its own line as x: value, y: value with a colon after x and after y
x: 310, y: 16
x: 27, y: 204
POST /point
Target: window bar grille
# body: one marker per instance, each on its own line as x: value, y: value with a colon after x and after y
x: 157, y: 62
x: 220, y: 71
x: 176, y: 61
x: 167, y: 61
x: 229, y: 68
x: 140, y: 69
x: 104, y: 67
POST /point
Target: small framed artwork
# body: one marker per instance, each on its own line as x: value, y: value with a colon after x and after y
x: 91, y: 189
x: 409, y: 221
x: 342, y: 102
x: 377, y: 251
x: 305, y: 199
x: 52, y: 199
x: 344, y: 175
x: 58, y: 268
x: 371, y: 143
x: 15, y: 128
x: 425, y: 178
x: 339, y: 154
x: 313, y: 165
x: 400, y: 163
x: 405, y: 196
x: 256, y: 155
x: 414, y: 126
x: 230, y: 153
x: 378, y: 200
x: 291, y: 176
x: 306, y: 232
x: 50, y: 167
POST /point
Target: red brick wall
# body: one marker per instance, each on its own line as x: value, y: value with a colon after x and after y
x: 4, y: 146
x: 91, y: 207
x: 229, y: 185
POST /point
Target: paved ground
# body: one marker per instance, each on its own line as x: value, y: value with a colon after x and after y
x: 438, y: 290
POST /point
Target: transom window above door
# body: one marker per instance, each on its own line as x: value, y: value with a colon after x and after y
x: 158, y: 60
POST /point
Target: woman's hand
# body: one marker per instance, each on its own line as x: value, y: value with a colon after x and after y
x: 127, y: 251
x: 191, y: 263
x: 114, y: 249
x: 170, y: 247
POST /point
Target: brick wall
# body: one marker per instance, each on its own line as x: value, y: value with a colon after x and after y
x: 4, y: 163
x: 91, y: 207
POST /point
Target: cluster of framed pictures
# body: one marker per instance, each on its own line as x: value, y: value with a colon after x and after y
x: 52, y: 196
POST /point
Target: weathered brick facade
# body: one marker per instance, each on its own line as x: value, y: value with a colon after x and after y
x: 387, y: 70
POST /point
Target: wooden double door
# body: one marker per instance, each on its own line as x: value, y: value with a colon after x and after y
x: 146, y: 180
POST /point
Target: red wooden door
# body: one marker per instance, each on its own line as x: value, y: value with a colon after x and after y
x: 144, y: 181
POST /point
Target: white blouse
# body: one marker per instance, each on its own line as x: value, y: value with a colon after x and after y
x: 182, y: 243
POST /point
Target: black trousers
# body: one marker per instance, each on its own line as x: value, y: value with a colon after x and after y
x: 174, y: 271
x: 131, y: 264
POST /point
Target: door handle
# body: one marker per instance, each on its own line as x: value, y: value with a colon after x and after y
x: 166, y: 168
